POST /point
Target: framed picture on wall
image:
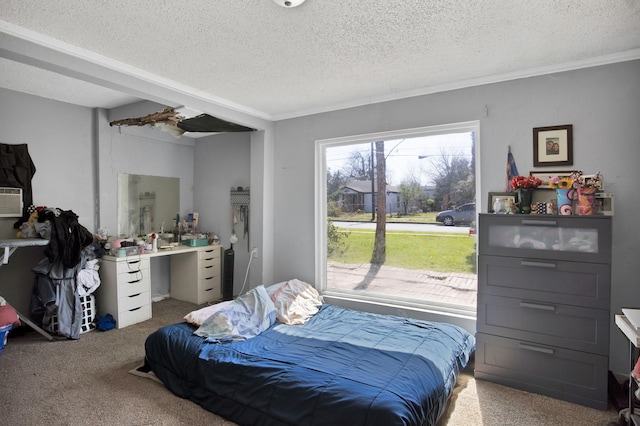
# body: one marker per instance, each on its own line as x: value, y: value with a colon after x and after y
x: 553, y: 146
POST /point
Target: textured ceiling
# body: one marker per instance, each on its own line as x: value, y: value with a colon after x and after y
x: 324, y: 54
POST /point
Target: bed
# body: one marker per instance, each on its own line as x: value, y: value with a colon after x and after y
x: 335, y: 364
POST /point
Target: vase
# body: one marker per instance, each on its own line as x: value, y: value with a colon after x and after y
x: 525, y: 196
x: 565, y: 200
x: 585, y: 202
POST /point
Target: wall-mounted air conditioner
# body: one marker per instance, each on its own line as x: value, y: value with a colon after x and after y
x: 10, y: 202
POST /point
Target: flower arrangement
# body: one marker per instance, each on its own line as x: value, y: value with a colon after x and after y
x: 576, y: 180
x: 525, y: 182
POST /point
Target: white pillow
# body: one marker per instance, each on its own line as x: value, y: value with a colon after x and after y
x: 295, y: 301
x: 197, y: 317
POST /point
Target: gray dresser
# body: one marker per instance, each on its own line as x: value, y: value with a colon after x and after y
x: 543, y: 304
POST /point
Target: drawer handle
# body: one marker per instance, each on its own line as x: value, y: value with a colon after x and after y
x: 208, y: 251
x: 135, y: 309
x: 207, y: 267
x: 133, y: 282
x: 550, y: 265
x: 135, y: 295
x: 208, y: 289
x: 133, y: 262
x: 539, y: 222
x: 538, y: 306
x: 535, y: 349
x: 209, y: 258
x: 209, y: 278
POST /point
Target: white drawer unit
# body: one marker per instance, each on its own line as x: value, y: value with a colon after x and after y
x: 125, y: 290
x: 543, y: 304
x: 197, y: 279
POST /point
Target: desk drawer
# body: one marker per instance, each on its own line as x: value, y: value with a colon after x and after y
x: 209, y: 268
x: 134, y: 301
x: 572, y: 327
x: 134, y: 316
x: 210, y: 292
x: 571, y: 283
x: 127, y: 288
x: 560, y: 373
x: 132, y: 265
x: 209, y: 253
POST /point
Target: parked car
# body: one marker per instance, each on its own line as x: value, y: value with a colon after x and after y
x: 464, y: 214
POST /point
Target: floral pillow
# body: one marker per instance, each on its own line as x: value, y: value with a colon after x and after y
x: 295, y: 301
x: 197, y: 317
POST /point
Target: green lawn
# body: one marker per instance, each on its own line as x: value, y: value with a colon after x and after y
x: 442, y: 252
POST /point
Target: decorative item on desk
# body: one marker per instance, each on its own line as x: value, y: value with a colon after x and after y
x: 154, y: 242
x: 524, y: 186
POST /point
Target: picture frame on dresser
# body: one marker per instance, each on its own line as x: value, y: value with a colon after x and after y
x: 547, y: 175
x: 553, y: 146
x: 509, y: 196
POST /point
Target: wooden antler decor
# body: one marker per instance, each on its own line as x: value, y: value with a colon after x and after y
x: 166, y: 115
x: 173, y: 122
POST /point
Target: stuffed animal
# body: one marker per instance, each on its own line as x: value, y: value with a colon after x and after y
x: 28, y: 228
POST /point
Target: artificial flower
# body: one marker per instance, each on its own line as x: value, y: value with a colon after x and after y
x: 576, y: 180
x: 525, y: 182
x: 561, y: 183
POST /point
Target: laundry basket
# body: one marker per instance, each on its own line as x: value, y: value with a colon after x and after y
x: 88, y: 314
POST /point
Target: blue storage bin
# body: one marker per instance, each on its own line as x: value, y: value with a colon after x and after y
x: 4, y: 332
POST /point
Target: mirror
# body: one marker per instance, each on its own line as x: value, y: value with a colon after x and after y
x: 146, y: 203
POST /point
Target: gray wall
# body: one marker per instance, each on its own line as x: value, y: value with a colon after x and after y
x: 59, y: 138
x: 78, y: 155
x: 602, y: 103
x: 222, y: 162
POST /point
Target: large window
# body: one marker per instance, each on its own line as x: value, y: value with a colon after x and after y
x: 378, y: 238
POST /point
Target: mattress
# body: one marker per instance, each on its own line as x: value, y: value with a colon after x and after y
x: 342, y: 366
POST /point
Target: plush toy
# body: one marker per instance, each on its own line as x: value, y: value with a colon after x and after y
x: 28, y: 228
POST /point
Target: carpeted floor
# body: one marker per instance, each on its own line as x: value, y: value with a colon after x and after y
x: 87, y: 382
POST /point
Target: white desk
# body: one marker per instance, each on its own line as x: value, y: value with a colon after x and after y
x: 634, y: 341
x: 125, y: 289
x: 9, y: 247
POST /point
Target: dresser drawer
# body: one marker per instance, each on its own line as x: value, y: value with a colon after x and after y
x: 572, y: 238
x: 574, y: 376
x: 572, y: 327
x: 572, y: 283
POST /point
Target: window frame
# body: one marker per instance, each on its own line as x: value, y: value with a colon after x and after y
x: 320, y: 215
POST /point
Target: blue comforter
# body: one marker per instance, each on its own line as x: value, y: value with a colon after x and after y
x: 341, y: 367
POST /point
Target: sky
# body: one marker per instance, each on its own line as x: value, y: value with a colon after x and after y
x: 403, y: 155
